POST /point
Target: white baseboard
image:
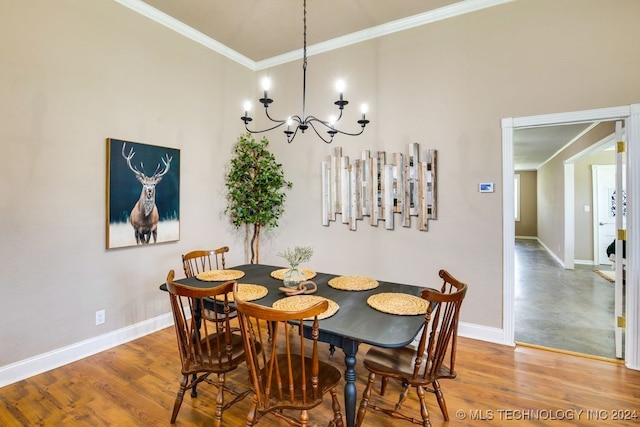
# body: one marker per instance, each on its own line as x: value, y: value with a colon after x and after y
x: 554, y: 256
x: 550, y: 252
x: 482, y: 333
x: 26, y: 368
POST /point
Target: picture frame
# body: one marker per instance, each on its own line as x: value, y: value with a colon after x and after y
x: 142, y: 202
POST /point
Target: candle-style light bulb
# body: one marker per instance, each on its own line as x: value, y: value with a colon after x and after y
x: 340, y: 85
x: 266, y: 85
x: 332, y: 120
x: 247, y: 107
x: 363, y: 121
x: 364, y: 108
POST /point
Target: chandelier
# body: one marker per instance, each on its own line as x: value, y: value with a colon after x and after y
x: 303, y: 122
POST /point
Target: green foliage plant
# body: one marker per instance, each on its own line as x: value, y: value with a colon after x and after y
x: 255, y: 189
x: 297, y: 255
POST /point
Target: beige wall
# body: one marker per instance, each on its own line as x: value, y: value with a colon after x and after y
x: 551, y: 191
x: 528, y: 224
x: 73, y: 73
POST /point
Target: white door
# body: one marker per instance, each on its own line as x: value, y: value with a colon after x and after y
x: 604, y: 184
x: 620, y: 209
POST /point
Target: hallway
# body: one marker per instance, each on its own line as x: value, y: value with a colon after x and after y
x: 570, y: 310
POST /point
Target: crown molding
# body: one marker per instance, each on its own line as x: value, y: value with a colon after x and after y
x: 163, y: 19
x: 453, y: 10
x: 440, y: 14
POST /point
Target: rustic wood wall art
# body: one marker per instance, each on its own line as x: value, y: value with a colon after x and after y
x: 379, y: 186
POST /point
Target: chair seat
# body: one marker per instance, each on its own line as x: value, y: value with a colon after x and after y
x: 213, y: 364
x: 221, y: 316
x: 399, y: 363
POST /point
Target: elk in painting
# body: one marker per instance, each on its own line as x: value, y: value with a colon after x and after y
x: 144, y: 215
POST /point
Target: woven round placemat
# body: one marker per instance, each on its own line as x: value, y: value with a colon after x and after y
x: 247, y: 292
x: 353, y: 283
x: 279, y: 274
x: 398, y: 303
x: 299, y: 302
x: 219, y: 275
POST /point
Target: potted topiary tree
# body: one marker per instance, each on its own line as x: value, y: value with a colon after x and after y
x: 255, y: 189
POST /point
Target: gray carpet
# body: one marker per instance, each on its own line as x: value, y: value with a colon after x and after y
x: 563, y: 309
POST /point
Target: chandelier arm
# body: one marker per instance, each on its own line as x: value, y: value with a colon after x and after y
x: 297, y: 119
x: 264, y: 130
x: 312, y: 119
x: 325, y: 122
x: 349, y: 133
x: 327, y: 141
x: 266, y: 112
x: 317, y: 120
x: 291, y: 134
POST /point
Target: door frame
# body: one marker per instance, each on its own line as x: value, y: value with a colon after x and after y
x: 631, y: 115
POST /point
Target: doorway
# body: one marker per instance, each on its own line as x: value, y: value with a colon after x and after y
x: 567, y: 308
x: 631, y: 114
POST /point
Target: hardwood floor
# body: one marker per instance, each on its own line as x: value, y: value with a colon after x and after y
x: 135, y: 384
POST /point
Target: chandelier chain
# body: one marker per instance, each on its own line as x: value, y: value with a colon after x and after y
x: 304, y: 34
x: 304, y: 62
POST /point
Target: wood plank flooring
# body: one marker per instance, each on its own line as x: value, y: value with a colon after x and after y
x: 135, y: 384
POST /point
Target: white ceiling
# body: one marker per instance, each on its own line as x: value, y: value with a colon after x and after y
x: 264, y: 29
x: 261, y: 29
x: 534, y: 146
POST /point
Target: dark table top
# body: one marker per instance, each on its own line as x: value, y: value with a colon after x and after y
x: 354, y: 320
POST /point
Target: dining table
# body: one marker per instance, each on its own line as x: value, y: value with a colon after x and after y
x: 355, y: 322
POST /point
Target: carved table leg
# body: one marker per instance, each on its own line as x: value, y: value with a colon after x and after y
x: 350, y: 349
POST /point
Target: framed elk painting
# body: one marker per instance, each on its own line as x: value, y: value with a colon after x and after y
x: 143, y: 194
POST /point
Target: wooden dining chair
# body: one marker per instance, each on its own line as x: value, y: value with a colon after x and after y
x: 421, y: 367
x: 205, y: 342
x: 201, y: 260
x: 286, y: 376
x: 195, y: 262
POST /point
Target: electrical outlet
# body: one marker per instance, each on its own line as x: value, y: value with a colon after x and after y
x: 100, y: 316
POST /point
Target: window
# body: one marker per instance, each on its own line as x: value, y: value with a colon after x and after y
x: 516, y: 196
